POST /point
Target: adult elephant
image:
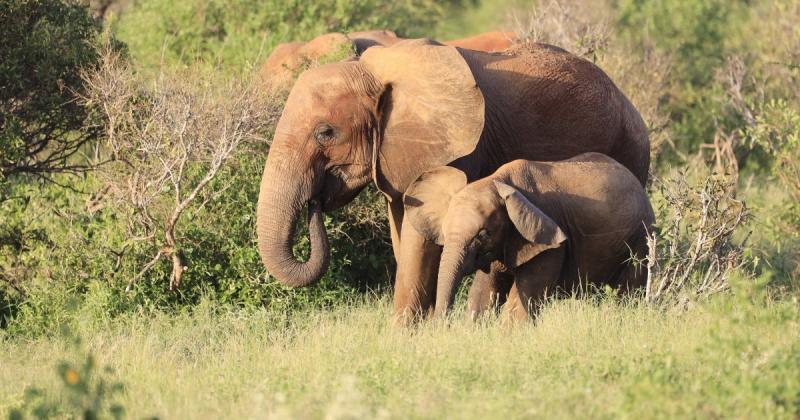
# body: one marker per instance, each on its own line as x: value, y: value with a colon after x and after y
x: 402, y: 110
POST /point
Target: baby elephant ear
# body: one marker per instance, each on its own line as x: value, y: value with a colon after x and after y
x: 426, y: 200
x: 538, y: 229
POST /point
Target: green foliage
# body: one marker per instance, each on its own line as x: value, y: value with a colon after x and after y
x: 776, y: 130
x: 238, y: 34
x: 45, y: 45
x: 69, y: 248
x: 695, y: 34
x: 86, y: 392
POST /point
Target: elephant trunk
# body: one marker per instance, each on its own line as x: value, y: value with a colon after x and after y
x: 279, y: 208
x: 452, y: 269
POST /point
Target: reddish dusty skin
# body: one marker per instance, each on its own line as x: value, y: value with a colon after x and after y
x: 487, y: 42
x: 288, y: 58
x: 553, y: 224
x: 399, y: 111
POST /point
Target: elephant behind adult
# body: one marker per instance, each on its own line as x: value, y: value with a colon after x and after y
x: 405, y: 109
x: 289, y: 58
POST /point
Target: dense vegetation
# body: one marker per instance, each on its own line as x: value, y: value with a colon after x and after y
x: 89, y: 243
x: 41, y: 125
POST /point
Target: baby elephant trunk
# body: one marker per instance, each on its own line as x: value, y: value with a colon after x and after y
x: 452, y: 270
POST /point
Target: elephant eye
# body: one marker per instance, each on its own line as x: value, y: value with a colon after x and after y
x: 324, y: 133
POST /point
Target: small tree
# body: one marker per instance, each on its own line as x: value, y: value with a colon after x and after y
x: 45, y: 44
x: 168, y: 142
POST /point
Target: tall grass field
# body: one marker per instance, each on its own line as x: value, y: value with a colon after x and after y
x: 583, y: 358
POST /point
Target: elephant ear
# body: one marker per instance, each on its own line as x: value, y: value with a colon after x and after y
x: 431, y: 110
x: 539, y: 232
x: 427, y: 199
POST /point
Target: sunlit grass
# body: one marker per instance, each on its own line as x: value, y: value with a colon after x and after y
x: 731, y: 357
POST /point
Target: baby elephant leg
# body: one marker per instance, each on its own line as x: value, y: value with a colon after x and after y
x: 489, y: 291
x: 534, y: 281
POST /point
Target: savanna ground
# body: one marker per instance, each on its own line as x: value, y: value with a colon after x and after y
x: 96, y: 207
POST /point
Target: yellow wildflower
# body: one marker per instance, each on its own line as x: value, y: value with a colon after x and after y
x: 71, y: 377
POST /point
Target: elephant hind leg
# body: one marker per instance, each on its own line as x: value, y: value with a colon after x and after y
x: 489, y: 291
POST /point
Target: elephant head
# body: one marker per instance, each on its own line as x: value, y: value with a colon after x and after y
x: 388, y: 117
x: 287, y: 59
x: 478, y: 223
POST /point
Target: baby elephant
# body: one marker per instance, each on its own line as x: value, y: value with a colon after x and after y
x: 554, y: 225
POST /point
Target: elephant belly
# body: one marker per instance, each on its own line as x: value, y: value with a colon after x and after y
x: 597, y: 261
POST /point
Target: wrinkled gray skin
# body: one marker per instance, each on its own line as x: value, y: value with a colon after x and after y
x: 552, y: 224
x: 400, y: 111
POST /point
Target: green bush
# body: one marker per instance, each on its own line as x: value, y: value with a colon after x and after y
x: 45, y: 45
x: 86, y: 390
x: 69, y: 251
x: 695, y: 34
x: 238, y: 34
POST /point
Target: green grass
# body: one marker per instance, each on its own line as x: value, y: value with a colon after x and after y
x: 737, y: 356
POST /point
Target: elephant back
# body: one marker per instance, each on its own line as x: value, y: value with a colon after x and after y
x: 546, y: 104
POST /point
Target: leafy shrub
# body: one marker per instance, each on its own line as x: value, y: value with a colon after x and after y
x: 776, y: 130
x: 45, y: 44
x: 695, y: 34
x: 75, y: 247
x: 87, y: 391
x: 239, y: 33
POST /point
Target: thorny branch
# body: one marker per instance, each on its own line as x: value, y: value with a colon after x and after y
x: 696, y: 253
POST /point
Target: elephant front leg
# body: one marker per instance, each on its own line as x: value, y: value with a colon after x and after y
x: 395, y: 224
x: 415, y: 283
x: 534, y: 280
x: 489, y: 290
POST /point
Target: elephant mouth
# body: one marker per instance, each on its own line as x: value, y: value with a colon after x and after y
x: 338, y: 199
x: 338, y: 190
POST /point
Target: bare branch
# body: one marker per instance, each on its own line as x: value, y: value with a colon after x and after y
x: 695, y: 253
x: 170, y: 140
